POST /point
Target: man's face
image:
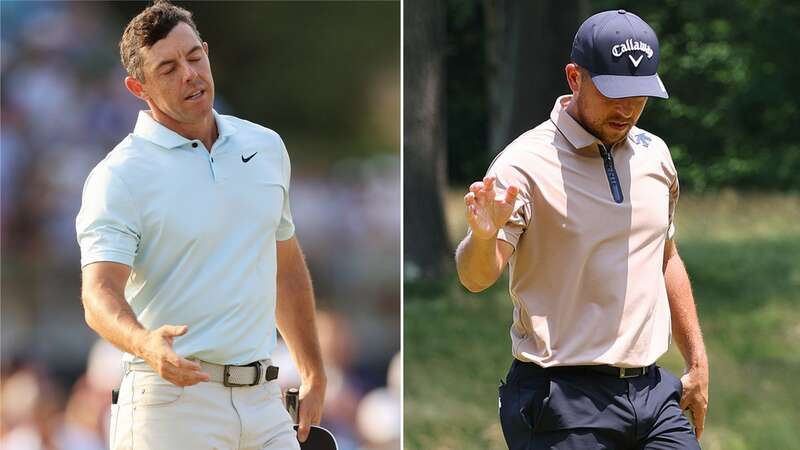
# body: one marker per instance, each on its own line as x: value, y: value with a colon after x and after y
x: 177, y: 74
x: 608, y: 119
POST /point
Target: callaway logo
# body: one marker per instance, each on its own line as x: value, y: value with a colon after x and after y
x: 636, y: 61
x: 244, y: 160
x: 629, y: 46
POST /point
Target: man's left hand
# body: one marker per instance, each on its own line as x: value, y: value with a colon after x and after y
x: 695, y: 396
x: 312, y: 397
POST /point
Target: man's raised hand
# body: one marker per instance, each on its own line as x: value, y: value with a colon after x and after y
x: 487, y: 209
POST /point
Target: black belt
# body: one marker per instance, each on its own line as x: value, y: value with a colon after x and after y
x: 620, y: 372
x: 614, y: 371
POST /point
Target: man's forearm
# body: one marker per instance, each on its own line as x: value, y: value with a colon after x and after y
x: 110, y: 316
x: 295, y: 316
x: 478, y: 263
x: 685, y: 324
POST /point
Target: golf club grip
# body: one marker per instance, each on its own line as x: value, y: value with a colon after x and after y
x: 292, y: 399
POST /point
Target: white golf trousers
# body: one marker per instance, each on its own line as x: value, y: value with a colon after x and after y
x: 154, y: 414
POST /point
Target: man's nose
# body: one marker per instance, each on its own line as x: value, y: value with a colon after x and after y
x: 189, y: 73
x: 626, y: 107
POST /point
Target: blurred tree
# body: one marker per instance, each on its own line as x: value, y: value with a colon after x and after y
x: 729, y: 66
x: 528, y: 44
x: 427, y: 247
x: 732, y: 73
x: 466, y: 91
x: 505, y: 68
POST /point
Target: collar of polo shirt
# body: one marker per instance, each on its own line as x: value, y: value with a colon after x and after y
x: 584, y: 143
x: 149, y: 129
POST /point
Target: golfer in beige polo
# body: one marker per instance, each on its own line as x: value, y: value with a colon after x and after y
x: 581, y: 209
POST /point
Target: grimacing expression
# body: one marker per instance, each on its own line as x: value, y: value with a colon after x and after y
x: 608, y: 119
x: 177, y: 74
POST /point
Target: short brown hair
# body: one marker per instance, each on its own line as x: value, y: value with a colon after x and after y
x: 147, y: 28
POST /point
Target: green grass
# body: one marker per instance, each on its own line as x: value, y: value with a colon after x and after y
x: 743, y: 255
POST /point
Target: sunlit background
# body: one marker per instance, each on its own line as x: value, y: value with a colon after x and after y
x: 326, y: 76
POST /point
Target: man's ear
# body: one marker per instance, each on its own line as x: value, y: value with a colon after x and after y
x: 573, y: 73
x: 205, y: 47
x: 136, y: 88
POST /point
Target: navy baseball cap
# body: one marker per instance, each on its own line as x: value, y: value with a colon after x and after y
x: 620, y: 51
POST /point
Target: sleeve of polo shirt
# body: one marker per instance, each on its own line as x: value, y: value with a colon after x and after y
x: 286, y: 226
x: 674, y: 191
x: 108, y: 224
x: 508, y: 172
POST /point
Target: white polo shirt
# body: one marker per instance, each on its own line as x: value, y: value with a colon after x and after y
x: 199, y: 231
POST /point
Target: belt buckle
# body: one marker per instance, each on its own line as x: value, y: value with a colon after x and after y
x: 639, y: 371
x: 226, y: 374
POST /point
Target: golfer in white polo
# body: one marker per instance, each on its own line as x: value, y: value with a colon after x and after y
x: 189, y: 260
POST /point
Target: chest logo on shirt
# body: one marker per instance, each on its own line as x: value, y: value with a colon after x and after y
x: 244, y: 160
x: 643, y: 139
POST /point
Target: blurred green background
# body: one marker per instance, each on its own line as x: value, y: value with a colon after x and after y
x: 494, y: 69
x: 741, y: 253
x: 731, y: 119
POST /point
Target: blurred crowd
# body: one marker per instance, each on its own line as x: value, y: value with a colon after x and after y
x: 41, y: 413
x: 63, y: 107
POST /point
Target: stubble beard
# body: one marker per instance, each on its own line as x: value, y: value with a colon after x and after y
x: 596, y: 127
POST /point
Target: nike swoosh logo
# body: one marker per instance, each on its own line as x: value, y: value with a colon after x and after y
x: 636, y: 61
x: 244, y: 160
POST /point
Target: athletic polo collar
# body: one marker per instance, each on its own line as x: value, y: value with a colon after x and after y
x: 582, y: 141
x: 149, y: 129
x: 569, y: 127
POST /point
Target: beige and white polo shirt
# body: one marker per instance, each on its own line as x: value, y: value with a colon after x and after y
x: 586, y: 275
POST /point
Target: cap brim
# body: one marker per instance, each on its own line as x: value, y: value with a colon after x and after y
x: 621, y: 86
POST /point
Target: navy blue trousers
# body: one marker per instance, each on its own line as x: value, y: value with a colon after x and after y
x: 574, y: 409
